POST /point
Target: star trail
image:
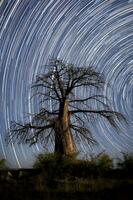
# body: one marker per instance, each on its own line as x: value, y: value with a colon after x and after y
x: 96, y: 33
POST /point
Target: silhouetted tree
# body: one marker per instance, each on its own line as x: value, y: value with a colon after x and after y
x: 66, y: 107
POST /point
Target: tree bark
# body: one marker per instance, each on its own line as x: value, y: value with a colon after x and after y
x: 64, y: 143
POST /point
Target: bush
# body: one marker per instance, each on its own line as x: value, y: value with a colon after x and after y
x: 99, y: 164
x: 126, y: 163
x: 56, y: 166
x: 3, y: 164
x: 104, y: 162
x: 43, y: 159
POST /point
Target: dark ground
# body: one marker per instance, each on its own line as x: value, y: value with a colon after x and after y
x: 32, y: 184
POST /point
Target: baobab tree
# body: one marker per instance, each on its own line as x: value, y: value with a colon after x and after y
x: 66, y: 107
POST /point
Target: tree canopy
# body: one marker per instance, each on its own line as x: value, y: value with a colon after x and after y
x: 68, y: 95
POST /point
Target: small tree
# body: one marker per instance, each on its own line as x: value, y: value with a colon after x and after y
x: 66, y: 107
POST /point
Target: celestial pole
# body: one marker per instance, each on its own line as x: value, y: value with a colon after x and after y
x: 97, y: 33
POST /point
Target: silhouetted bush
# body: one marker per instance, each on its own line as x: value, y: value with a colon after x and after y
x: 126, y: 163
x: 55, y: 165
x: 59, y: 167
x: 3, y: 164
x: 3, y: 168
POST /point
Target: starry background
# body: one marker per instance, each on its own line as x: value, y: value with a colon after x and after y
x: 95, y: 33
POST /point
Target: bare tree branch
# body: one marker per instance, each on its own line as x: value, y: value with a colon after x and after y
x: 69, y: 97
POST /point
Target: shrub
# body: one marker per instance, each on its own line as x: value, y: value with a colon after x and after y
x: 104, y: 162
x: 54, y: 165
x: 126, y: 163
x: 42, y: 159
x: 3, y: 164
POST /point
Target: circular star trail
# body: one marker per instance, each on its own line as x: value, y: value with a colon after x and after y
x: 93, y: 33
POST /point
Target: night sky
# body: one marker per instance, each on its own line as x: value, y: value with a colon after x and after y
x: 83, y: 32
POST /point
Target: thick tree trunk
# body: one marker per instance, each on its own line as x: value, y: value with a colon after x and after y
x: 64, y: 143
